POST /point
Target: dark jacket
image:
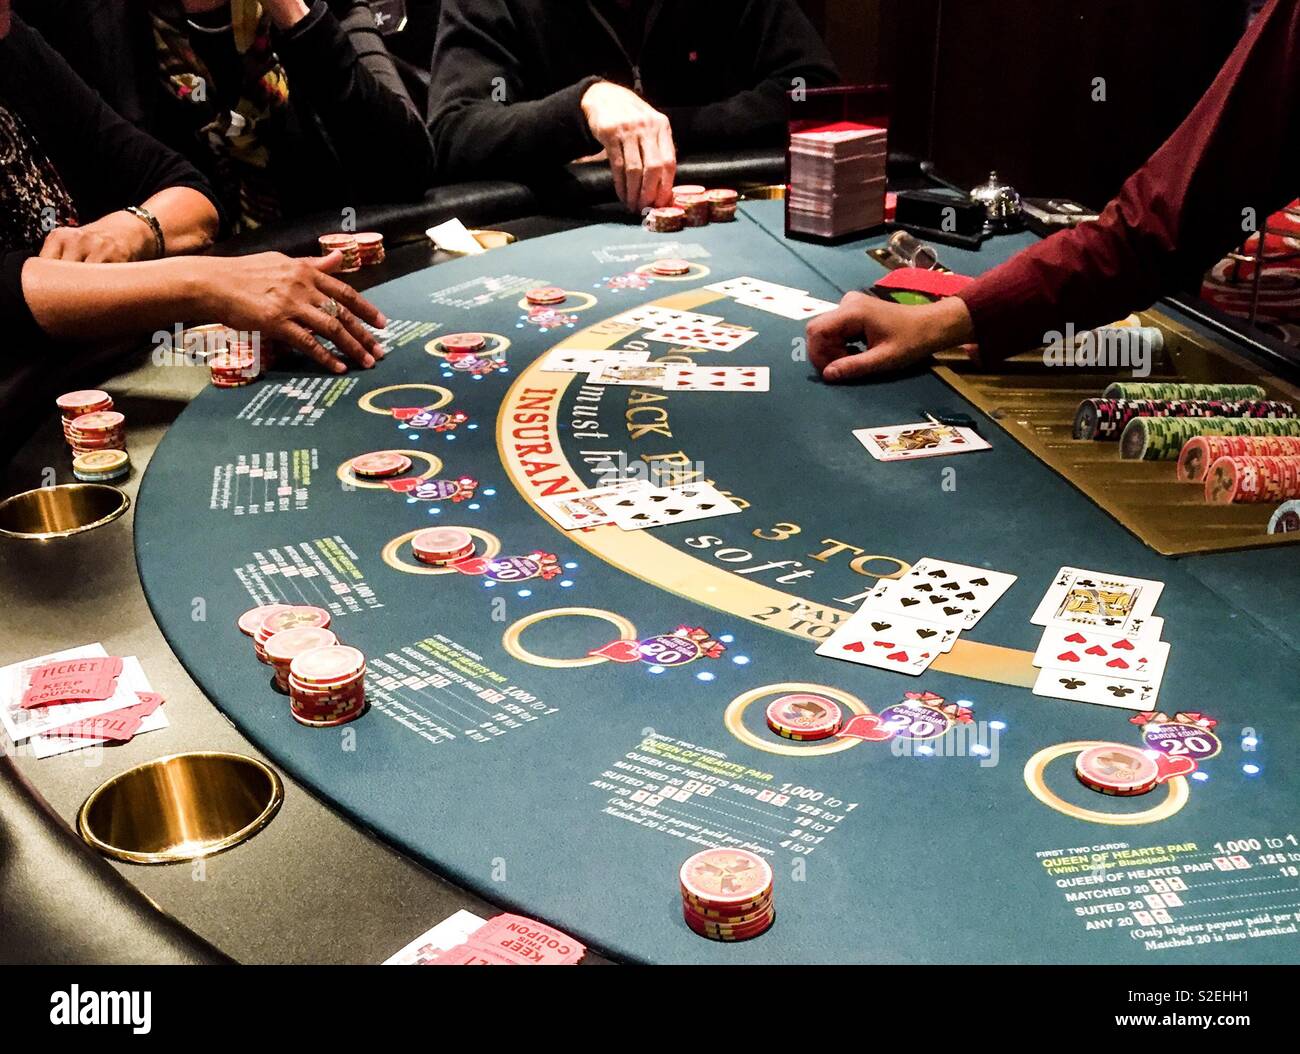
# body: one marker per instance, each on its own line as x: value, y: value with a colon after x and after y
x: 104, y: 162
x: 508, y: 76
x: 351, y: 134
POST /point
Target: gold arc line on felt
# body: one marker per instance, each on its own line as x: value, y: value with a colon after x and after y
x: 688, y: 576
x: 511, y: 637
x: 1037, y: 784
x: 366, y: 402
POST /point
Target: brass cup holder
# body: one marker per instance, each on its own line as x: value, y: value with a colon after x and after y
x: 180, y: 807
x: 62, y: 511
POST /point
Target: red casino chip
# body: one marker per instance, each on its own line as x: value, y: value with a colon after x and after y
x: 380, y: 465
x: 546, y: 295
x: 670, y: 267
x: 723, y: 878
x: 327, y: 667
x: 1116, y: 768
x: 804, y: 715
x: 463, y: 343
x: 667, y: 220
x: 688, y: 189
x: 442, y: 545
x: 730, y: 933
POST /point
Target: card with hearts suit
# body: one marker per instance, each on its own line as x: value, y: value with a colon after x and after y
x: 1083, y: 651
x: 889, y: 641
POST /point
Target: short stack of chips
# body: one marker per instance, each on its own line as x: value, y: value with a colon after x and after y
x: 439, y: 546
x: 1116, y: 768
x: 546, y: 296
x: 727, y: 894
x: 79, y: 404
x: 291, y: 616
x: 283, y: 647
x: 1163, y: 438
x: 345, y: 244
x: 666, y: 220
x: 1200, y: 452
x: 1182, y: 390
x: 694, y: 205
x: 238, y: 364
x: 462, y: 343
x: 722, y: 205
x: 1242, y: 480
x: 101, y: 466
x: 382, y: 464
x: 370, y: 248
x: 102, y: 430
x: 327, y: 686
x: 837, y: 179
x: 804, y: 716
x: 670, y: 268
x: 1106, y: 418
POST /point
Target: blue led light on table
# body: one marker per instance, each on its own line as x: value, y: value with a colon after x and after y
x: 705, y: 675
x: 471, y: 427
x: 998, y: 725
x: 1250, y: 769
x: 980, y: 749
x: 473, y: 505
x: 489, y: 493
x: 740, y: 660
x: 435, y: 510
x: 655, y: 669
x: 1201, y: 776
x: 488, y: 583
x: 525, y: 592
x: 570, y: 565
x: 726, y: 638
x: 924, y: 750
x: 1249, y: 743
x: 566, y: 583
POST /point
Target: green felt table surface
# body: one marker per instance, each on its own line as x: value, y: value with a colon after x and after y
x: 574, y: 792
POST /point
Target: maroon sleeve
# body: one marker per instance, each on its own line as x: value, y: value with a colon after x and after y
x: 1182, y: 210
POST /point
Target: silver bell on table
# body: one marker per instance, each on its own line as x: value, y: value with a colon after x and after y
x: 1001, y: 203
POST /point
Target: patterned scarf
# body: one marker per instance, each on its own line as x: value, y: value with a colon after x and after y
x: 235, y: 138
x: 33, y: 199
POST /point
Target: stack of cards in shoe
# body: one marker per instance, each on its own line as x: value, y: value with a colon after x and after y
x: 837, y: 179
x: 907, y: 623
x: 634, y: 504
x: 1100, y: 643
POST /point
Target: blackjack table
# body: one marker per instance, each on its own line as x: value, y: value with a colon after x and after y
x: 553, y: 726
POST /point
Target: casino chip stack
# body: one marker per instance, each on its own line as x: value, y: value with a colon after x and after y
x: 546, y: 296
x: 101, y: 466
x: 1179, y: 390
x: 695, y: 208
x: 1106, y: 418
x: 1242, y: 480
x: 283, y: 647
x: 727, y: 894
x: 1163, y: 438
x: 239, y: 364
x: 382, y: 464
x: 722, y: 205
x: 370, y: 248
x: 284, y: 617
x: 439, y: 546
x: 102, y: 430
x: 804, y: 716
x: 347, y: 245
x: 670, y: 268
x: 327, y: 686
x: 462, y: 343
x: 667, y: 220
x: 1116, y: 768
x: 1200, y: 452
x: 837, y: 179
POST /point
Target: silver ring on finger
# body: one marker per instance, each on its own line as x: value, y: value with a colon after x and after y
x: 331, y: 307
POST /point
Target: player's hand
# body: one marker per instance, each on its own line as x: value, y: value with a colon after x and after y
x: 895, y: 335
x: 118, y: 237
x: 638, y: 141
x: 289, y: 300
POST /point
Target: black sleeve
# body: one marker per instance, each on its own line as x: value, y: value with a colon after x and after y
x: 347, y: 76
x: 105, y: 162
x: 786, y: 51
x: 476, y: 59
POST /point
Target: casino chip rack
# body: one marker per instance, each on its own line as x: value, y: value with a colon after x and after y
x: 596, y: 727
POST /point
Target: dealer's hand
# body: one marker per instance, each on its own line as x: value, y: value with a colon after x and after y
x: 895, y: 335
x: 638, y: 141
x: 118, y: 237
x: 292, y: 300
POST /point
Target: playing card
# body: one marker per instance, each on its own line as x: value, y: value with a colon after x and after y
x: 693, y: 378
x: 1090, y: 688
x: 651, y: 316
x: 1081, y: 650
x: 643, y: 374
x: 710, y: 338
x: 576, y: 360
x: 665, y: 505
x: 1079, y: 597
x: 944, y: 593
x: 788, y: 306
x: 905, y: 645
x: 926, y: 439
x: 579, y: 509
x: 745, y: 286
